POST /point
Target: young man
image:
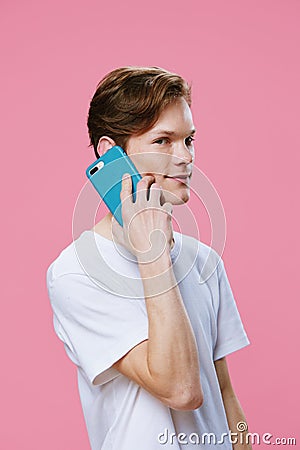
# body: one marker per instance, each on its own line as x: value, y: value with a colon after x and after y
x: 152, y: 371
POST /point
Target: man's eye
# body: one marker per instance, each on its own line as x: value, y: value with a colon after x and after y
x: 189, y: 140
x: 161, y: 141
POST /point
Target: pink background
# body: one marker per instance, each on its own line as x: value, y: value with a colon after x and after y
x: 243, y: 61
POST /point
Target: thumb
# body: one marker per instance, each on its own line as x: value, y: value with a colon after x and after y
x: 168, y: 207
x: 117, y: 230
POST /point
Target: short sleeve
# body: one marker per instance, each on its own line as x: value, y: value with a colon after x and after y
x: 97, y: 327
x: 231, y: 335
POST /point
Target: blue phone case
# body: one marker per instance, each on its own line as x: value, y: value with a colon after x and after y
x: 106, y: 174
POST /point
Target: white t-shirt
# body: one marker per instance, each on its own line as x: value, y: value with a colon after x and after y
x: 99, y: 313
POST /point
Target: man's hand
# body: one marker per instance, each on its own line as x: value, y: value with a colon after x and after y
x: 147, y: 226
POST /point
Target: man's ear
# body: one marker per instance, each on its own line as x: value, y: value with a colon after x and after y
x: 104, y: 144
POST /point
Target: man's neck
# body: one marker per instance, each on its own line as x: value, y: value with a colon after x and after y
x: 103, y: 227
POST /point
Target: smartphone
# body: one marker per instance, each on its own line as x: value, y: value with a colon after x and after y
x: 106, y: 173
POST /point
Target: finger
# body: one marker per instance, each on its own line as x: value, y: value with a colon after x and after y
x: 126, y: 191
x: 155, y: 194
x: 126, y: 198
x: 142, y: 188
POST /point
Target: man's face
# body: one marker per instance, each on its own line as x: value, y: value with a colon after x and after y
x: 166, y: 151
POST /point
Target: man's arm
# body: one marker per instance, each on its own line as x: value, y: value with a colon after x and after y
x: 167, y: 363
x: 232, y: 406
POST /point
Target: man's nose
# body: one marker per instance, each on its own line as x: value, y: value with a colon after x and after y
x: 184, y: 153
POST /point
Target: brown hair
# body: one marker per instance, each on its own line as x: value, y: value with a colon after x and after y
x: 129, y: 100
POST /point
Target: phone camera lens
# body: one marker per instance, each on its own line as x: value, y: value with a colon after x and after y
x: 93, y: 170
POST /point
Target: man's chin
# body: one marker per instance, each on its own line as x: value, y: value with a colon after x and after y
x: 176, y: 197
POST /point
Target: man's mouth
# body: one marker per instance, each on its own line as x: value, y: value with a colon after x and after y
x: 180, y: 178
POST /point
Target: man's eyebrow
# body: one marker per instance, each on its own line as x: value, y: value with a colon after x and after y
x: 170, y: 133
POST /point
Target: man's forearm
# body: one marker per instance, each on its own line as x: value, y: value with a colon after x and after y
x: 235, y: 415
x: 172, y: 349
